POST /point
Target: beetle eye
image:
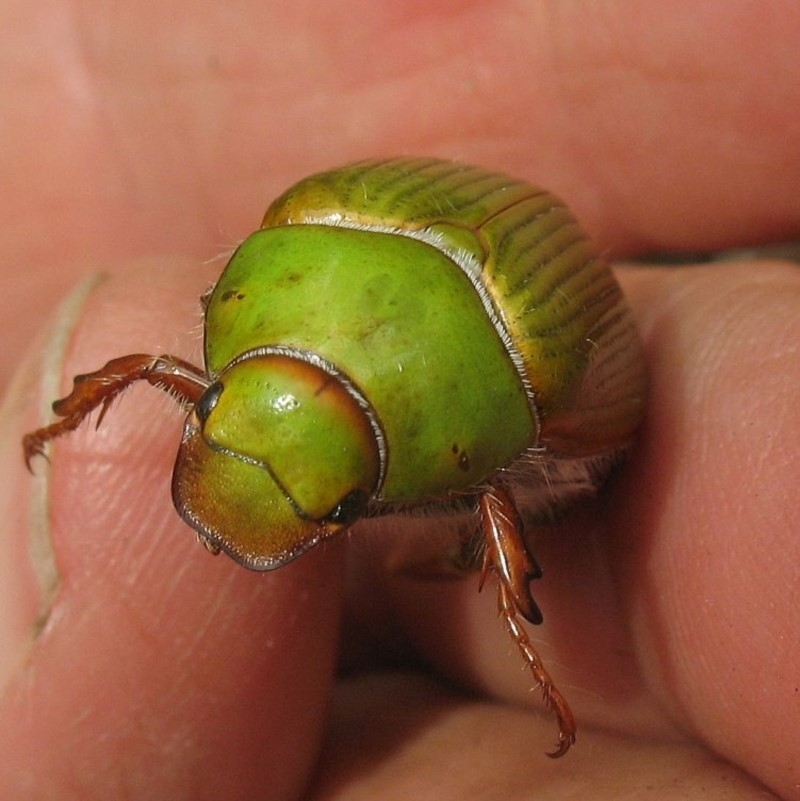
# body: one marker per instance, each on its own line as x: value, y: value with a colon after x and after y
x: 208, y: 400
x: 350, y: 508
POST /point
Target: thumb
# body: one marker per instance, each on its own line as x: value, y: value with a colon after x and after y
x: 133, y: 663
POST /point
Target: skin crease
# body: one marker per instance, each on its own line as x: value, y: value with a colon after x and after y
x: 156, y: 671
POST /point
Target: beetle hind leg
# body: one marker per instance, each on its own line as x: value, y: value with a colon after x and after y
x: 507, y: 556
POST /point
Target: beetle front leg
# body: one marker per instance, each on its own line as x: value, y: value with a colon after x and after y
x: 182, y: 380
x: 507, y: 555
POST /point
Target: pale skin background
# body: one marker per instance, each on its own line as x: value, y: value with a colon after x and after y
x: 144, y: 140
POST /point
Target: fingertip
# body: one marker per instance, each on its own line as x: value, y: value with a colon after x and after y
x: 708, y: 545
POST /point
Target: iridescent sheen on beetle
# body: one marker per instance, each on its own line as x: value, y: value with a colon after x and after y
x: 399, y: 335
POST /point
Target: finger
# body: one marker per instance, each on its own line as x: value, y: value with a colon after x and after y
x: 666, y: 605
x: 402, y: 736
x: 135, y: 663
x: 657, y: 135
x: 708, y: 543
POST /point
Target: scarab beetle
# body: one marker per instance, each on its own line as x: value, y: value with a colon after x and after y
x: 399, y: 335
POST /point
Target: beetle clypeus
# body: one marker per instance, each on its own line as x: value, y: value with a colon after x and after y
x: 398, y: 335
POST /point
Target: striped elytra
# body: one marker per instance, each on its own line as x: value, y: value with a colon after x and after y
x: 557, y: 299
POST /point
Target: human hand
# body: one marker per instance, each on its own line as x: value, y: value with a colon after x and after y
x: 149, y: 669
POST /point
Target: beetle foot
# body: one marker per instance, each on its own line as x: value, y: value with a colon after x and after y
x: 553, y: 698
x: 507, y: 555
x: 33, y: 446
x: 98, y: 389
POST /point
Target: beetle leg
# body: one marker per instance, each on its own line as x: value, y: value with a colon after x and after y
x: 507, y: 555
x: 180, y: 379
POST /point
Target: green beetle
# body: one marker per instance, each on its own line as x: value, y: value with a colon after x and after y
x: 398, y: 336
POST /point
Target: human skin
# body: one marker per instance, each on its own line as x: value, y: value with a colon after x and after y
x: 141, y: 141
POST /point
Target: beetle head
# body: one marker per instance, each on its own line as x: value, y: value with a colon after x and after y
x: 277, y: 455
